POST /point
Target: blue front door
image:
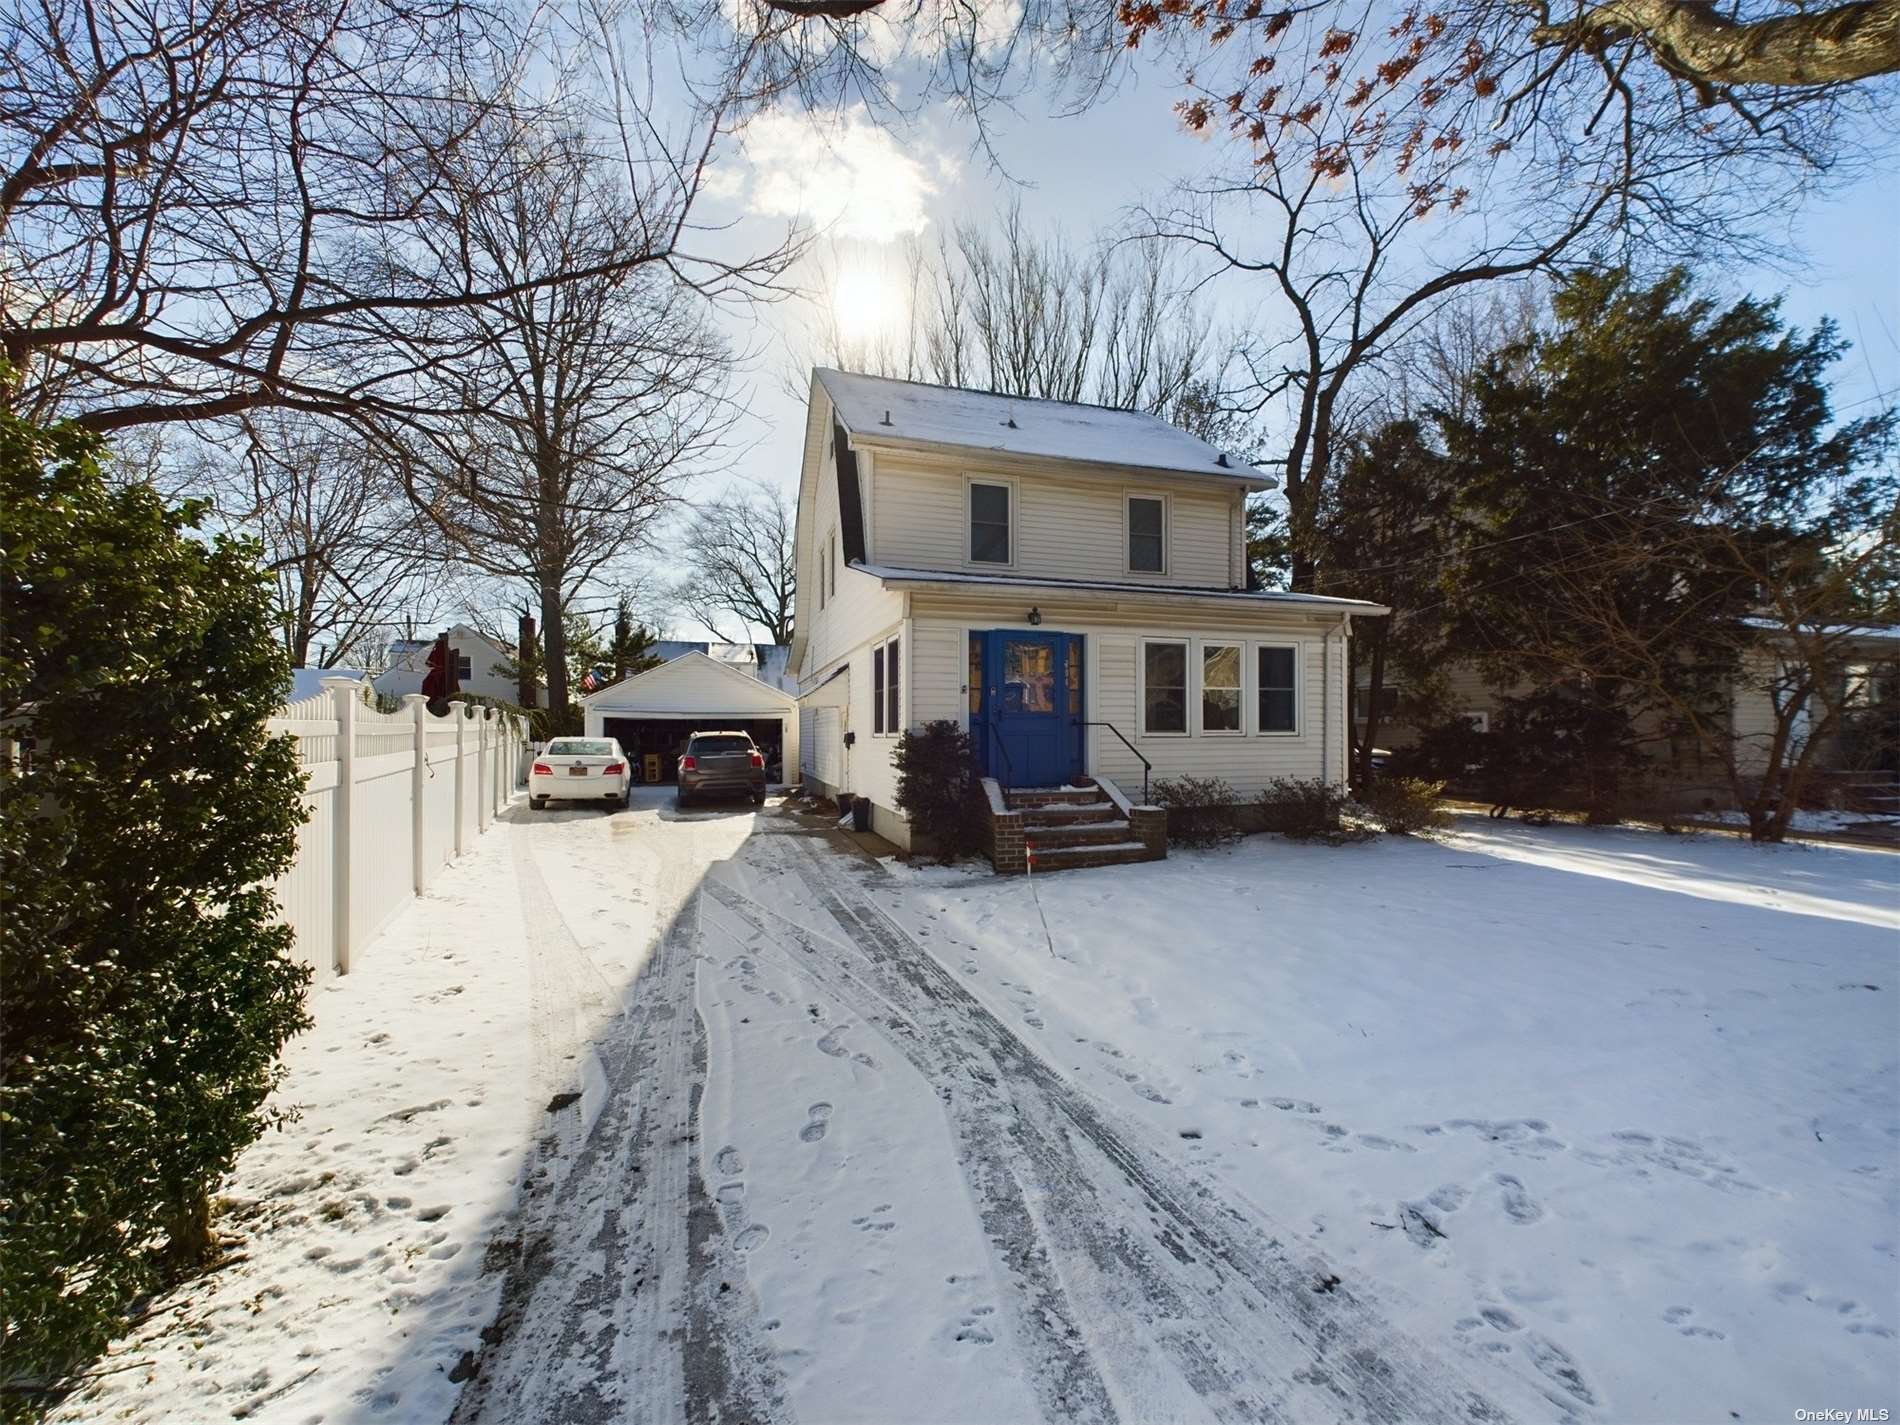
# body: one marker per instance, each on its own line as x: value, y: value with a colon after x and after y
x: 1030, y: 707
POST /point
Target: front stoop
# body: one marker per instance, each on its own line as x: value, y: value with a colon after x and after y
x: 1066, y: 828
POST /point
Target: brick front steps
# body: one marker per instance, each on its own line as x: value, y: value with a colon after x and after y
x: 1066, y: 828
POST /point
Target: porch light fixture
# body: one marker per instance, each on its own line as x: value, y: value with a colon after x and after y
x: 1035, y: 618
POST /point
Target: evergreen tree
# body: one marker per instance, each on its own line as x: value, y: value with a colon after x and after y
x: 1380, y: 537
x: 630, y: 649
x: 1609, y: 467
x: 146, y: 981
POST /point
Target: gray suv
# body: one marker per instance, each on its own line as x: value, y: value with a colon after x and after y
x: 716, y: 763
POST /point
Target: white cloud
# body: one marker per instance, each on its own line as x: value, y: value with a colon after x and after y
x: 847, y: 176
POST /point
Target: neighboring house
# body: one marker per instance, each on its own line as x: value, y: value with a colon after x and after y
x: 765, y: 661
x: 477, y: 657
x: 1688, y: 773
x: 653, y: 713
x: 1068, y: 582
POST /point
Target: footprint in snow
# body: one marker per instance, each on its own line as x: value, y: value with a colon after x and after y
x: 1151, y: 1093
x: 1519, y: 1206
x: 820, y: 1118
x: 1294, y: 1105
x: 728, y: 1161
x: 831, y: 1044
x: 1557, y: 1366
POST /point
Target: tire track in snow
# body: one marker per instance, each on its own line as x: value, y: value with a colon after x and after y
x: 562, y: 982
x: 1161, y: 1269
x: 598, y: 1320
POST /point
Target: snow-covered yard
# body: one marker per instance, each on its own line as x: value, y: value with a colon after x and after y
x: 1629, y: 1097
x: 1557, y: 1123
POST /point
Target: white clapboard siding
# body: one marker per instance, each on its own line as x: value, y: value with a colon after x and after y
x: 350, y: 877
x: 1062, y: 529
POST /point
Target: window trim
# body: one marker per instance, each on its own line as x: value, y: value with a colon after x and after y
x: 1256, y: 687
x: 1128, y: 533
x: 1479, y: 718
x: 970, y: 482
x: 1201, y: 645
x: 886, y: 689
x: 1186, y: 645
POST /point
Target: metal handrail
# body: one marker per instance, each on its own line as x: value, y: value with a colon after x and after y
x: 1146, y: 765
x: 989, y: 729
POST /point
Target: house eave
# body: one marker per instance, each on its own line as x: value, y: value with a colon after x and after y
x: 1113, y: 592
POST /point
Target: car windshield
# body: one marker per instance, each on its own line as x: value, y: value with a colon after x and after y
x: 580, y: 747
x: 712, y: 746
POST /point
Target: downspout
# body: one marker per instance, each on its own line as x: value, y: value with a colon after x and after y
x: 1326, y: 706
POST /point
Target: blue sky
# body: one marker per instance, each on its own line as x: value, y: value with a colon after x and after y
x: 1836, y: 255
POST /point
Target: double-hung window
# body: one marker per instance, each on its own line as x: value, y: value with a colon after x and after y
x: 1164, y: 687
x: 989, y: 523
x: 885, y: 682
x: 1220, y: 687
x: 1147, y: 543
x: 1279, y: 688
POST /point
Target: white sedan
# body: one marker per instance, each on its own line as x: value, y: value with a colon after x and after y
x: 580, y: 769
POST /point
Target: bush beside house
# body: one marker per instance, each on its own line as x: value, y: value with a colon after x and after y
x: 146, y: 984
x: 938, y: 789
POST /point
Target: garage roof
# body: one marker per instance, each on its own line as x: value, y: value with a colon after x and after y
x: 692, y: 685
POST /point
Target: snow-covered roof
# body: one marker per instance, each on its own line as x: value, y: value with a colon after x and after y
x: 892, y: 575
x: 680, y: 684
x: 308, y: 682
x: 878, y: 409
x: 1858, y: 632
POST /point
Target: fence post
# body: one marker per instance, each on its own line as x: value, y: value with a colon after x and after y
x: 457, y: 710
x: 343, y: 695
x: 484, y: 807
x: 419, y: 789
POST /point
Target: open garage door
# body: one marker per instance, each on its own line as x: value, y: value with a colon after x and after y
x: 665, y: 738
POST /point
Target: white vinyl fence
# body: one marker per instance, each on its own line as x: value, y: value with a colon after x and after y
x: 393, y: 797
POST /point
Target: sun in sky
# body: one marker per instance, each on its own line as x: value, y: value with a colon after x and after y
x: 866, y: 301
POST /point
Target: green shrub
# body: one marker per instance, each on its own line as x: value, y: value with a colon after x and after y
x: 1200, y: 810
x: 146, y: 985
x: 1406, y: 806
x: 1309, y: 809
x: 939, y: 790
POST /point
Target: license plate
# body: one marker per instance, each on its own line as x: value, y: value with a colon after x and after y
x: 577, y: 771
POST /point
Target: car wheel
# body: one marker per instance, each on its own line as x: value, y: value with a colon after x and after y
x: 680, y: 801
x: 538, y: 803
x: 758, y: 799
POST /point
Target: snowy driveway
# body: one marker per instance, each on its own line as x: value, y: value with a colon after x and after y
x: 826, y: 1182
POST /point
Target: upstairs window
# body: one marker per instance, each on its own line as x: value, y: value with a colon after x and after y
x: 989, y: 523
x: 1147, y: 519
x: 1279, y: 690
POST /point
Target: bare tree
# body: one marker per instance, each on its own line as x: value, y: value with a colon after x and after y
x: 587, y: 402
x: 739, y: 548
x: 1358, y: 268
x: 213, y: 209
x: 1034, y: 314
x: 348, y: 552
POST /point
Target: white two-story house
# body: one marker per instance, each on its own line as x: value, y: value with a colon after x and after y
x: 1068, y: 582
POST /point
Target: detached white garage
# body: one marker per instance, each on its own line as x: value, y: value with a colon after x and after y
x: 656, y: 711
